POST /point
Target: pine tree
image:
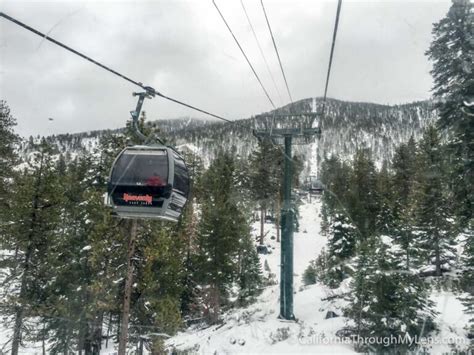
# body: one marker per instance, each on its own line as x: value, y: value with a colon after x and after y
x: 190, y: 290
x: 77, y: 321
x: 310, y: 274
x: 104, y: 253
x: 404, y: 183
x: 7, y: 154
x: 320, y: 267
x: 297, y: 166
x: 195, y: 167
x: 385, y: 218
x: 452, y: 54
x: 386, y: 301
x: 155, y: 301
x: 335, y: 179
x: 34, y: 209
x: 264, y: 178
x: 343, y: 237
x: 468, y: 279
x: 362, y: 200
x: 435, y: 216
x: 404, y: 168
x: 341, y: 247
x: 221, y: 228
x: 250, y: 271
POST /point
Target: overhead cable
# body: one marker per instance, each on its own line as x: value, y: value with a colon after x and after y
x: 151, y: 91
x: 261, y: 51
x: 276, y: 51
x: 245, y: 55
x: 336, y: 24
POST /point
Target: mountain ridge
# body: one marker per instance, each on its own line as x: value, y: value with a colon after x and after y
x: 346, y: 127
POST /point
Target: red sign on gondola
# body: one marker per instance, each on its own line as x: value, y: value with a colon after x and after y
x: 141, y: 198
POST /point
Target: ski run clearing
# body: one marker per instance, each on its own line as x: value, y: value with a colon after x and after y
x: 257, y: 329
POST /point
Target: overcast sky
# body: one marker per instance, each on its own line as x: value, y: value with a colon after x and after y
x: 182, y: 48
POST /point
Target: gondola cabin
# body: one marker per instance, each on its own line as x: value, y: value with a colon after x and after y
x: 148, y: 182
x: 315, y: 186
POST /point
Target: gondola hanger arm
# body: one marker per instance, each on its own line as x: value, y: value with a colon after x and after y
x: 149, y: 93
x: 136, y: 114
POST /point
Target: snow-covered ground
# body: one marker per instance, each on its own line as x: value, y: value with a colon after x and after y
x: 256, y: 329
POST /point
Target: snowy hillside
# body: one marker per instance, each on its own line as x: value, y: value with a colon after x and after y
x: 257, y: 329
x: 346, y: 127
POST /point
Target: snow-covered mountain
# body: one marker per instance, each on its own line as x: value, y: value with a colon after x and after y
x: 346, y: 126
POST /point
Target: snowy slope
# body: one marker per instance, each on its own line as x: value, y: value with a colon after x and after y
x: 347, y: 126
x: 257, y: 329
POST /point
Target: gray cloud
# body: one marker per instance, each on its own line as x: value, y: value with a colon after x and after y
x: 183, y: 49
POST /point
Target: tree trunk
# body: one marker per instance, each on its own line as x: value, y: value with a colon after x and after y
x: 26, y: 266
x: 17, y: 330
x: 437, y: 256
x: 43, y: 340
x: 128, y: 290
x: 262, y: 224
x: 407, y: 245
x: 408, y: 259
x: 277, y: 218
x: 19, y: 308
x: 119, y: 320
x: 215, y: 302
x: 17, y: 249
x: 66, y: 345
x: 140, y: 347
x: 97, y: 335
x: 108, y: 330
x: 82, y: 333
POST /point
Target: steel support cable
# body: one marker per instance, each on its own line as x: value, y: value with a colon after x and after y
x: 148, y: 89
x: 276, y: 51
x: 243, y: 52
x: 151, y: 91
x: 253, y: 70
x: 336, y: 24
x: 261, y: 52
